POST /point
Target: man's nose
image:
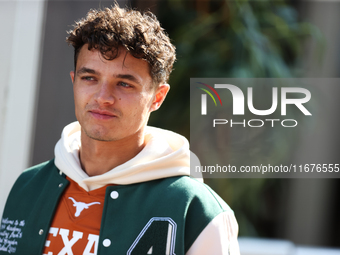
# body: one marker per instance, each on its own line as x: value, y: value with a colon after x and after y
x: 105, y: 94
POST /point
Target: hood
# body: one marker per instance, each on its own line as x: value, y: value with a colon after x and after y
x: 165, y: 154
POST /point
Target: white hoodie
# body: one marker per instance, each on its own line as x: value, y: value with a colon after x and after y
x: 165, y: 154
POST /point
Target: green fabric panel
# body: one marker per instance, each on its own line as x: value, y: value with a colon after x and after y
x: 33, y: 199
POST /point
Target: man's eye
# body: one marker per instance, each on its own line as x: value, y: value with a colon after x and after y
x: 125, y: 85
x: 87, y: 78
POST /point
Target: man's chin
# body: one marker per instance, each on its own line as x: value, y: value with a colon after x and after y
x: 99, y: 136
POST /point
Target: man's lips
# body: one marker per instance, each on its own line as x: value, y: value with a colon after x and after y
x: 102, y: 114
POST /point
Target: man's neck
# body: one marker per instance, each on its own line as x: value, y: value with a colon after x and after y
x: 98, y: 157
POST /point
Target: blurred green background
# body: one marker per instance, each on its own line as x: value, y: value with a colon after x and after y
x: 242, y: 39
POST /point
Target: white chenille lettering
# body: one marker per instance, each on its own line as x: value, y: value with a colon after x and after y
x: 54, y: 232
x: 69, y: 243
x: 93, y: 240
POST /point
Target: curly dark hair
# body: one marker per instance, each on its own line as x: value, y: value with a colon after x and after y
x: 139, y: 33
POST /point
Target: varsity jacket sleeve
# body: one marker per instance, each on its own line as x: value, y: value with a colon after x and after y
x: 219, y: 237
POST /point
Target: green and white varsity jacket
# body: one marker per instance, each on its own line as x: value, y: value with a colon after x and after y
x: 158, y: 205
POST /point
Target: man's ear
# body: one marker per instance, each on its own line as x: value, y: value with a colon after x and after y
x: 159, y: 97
x: 72, y: 76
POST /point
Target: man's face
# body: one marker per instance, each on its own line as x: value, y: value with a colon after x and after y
x: 113, y: 99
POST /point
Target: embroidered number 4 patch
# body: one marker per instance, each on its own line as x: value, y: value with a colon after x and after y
x: 157, y: 237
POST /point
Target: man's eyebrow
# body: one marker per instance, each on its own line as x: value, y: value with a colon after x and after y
x: 86, y: 70
x: 128, y: 77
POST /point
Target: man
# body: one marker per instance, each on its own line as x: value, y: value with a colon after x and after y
x: 117, y: 186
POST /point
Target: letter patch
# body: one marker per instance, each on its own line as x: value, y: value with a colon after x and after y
x: 157, y: 237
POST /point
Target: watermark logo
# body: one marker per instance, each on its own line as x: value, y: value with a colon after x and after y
x: 238, y: 99
x: 288, y: 96
x: 204, y: 97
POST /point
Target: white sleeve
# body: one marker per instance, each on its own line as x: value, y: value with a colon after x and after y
x: 219, y: 237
